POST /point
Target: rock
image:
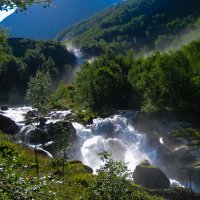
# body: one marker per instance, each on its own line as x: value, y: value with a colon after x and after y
x: 69, y: 117
x: 62, y: 133
x: 7, y: 125
x: 31, y: 114
x: 30, y: 136
x: 31, y: 117
x: 54, y: 129
x: 43, y: 152
x: 90, y: 121
x: 4, y: 108
x: 42, y: 121
x: 150, y: 176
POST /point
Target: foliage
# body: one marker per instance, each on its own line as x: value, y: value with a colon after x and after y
x: 160, y: 81
x: 21, y: 4
x: 136, y: 24
x: 23, y: 58
x: 63, y: 96
x: 38, y: 91
x: 18, y: 179
x: 168, y: 80
x: 62, y: 135
x: 111, y: 183
x: 103, y: 82
x: 3, y: 38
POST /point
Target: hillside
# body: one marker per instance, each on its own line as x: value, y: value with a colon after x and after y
x: 39, y: 23
x: 161, y: 81
x: 23, y: 58
x: 136, y: 24
x: 57, y: 179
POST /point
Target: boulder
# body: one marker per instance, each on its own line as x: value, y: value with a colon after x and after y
x: 42, y: 121
x: 31, y: 114
x: 150, y: 176
x: 62, y: 134
x: 33, y: 135
x: 64, y: 128
x: 31, y: 117
x: 4, y: 108
x: 7, y: 125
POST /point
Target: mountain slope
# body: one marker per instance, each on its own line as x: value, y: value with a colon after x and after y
x: 39, y: 23
x: 134, y: 24
x: 23, y: 58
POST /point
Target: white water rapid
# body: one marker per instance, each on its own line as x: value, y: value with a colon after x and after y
x: 116, y: 135
x: 28, y: 131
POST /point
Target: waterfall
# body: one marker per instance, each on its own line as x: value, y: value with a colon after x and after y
x: 116, y: 135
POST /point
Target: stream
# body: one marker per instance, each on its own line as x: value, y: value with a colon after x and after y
x: 117, y: 135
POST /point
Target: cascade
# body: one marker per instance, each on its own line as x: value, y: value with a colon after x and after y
x: 117, y: 135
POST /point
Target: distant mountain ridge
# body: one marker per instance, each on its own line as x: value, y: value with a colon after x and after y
x: 40, y: 23
x: 134, y: 24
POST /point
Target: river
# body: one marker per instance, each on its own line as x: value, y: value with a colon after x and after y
x: 117, y: 135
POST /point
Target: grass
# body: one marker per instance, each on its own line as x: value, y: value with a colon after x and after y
x: 18, y: 179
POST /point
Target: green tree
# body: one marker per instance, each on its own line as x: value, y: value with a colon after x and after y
x: 112, y: 183
x: 38, y: 94
x: 21, y: 4
x: 3, y: 39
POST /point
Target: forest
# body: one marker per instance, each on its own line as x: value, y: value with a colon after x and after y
x: 139, y: 25
x: 22, y: 58
x: 112, y: 133
x: 161, y: 81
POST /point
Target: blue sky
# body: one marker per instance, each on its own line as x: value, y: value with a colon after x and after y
x: 39, y: 23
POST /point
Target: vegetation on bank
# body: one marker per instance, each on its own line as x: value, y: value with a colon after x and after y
x: 19, y: 180
x: 139, y: 25
x: 161, y: 81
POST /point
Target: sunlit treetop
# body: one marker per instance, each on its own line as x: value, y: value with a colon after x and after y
x: 22, y: 4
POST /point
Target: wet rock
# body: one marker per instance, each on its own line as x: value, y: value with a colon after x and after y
x: 69, y: 117
x: 32, y: 135
x: 31, y: 114
x: 7, y: 125
x: 4, y: 108
x: 62, y: 134
x: 31, y: 117
x: 42, y: 121
x: 43, y: 152
x: 61, y: 126
x: 150, y: 176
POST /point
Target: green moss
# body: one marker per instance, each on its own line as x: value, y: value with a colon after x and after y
x: 197, y: 164
x: 190, y: 134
